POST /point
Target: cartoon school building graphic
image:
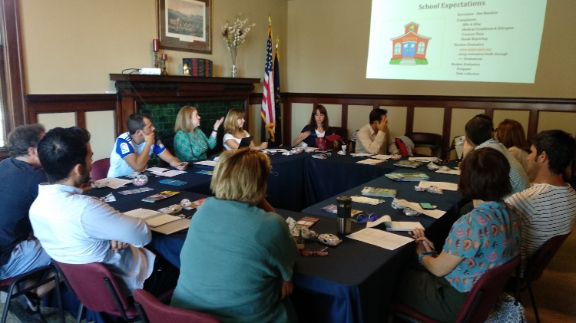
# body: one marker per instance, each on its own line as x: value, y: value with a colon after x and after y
x: 410, y: 48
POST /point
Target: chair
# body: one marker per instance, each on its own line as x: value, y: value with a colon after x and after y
x: 481, y: 299
x: 426, y: 144
x: 154, y: 311
x: 98, y: 290
x: 16, y: 286
x: 535, y: 267
x: 100, y: 169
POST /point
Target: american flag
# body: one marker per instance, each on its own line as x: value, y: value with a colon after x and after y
x: 268, y: 112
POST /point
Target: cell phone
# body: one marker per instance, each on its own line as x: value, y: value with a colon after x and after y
x: 427, y: 206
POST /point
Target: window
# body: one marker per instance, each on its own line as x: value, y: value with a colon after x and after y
x: 421, y: 48
x: 397, y: 50
x: 11, y: 81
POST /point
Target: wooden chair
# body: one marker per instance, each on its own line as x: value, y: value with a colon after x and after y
x: 480, y: 301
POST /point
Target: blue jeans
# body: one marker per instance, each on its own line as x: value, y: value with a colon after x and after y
x: 26, y: 256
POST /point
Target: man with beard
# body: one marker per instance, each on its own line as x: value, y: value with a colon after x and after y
x: 79, y: 229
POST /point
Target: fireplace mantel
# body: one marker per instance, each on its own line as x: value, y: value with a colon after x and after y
x: 134, y: 90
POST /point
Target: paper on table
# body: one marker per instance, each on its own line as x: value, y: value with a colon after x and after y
x: 161, y: 219
x: 441, y: 185
x: 157, y: 169
x: 171, y: 173
x: 366, y: 200
x: 141, y: 213
x: 395, y: 225
x: 360, y: 154
x: 380, y: 238
x: 370, y: 161
x: 448, y: 170
x: 207, y: 163
x: 424, y: 159
x: 172, y: 227
x: 382, y: 157
x: 436, y: 214
x: 112, y: 182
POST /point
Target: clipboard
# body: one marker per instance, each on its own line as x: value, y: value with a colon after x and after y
x: 245, y: 142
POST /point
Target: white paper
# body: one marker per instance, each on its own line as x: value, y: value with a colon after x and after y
x: 172, y: 227
x: 370, y: 161
x: 161, y: 219
x: 436, y: 214
x: 380, y: 238
x: 111, y: 182
x: 441, y: 185
x: 448, y: 170
x: 424, y: 159
x: 142, y: 213
x: 157, y: 169
x: 395, y: 225
x: 382, y: 157
x: 275, y: 151
x: 360, y: 154
x: 171, y: 173
x: 211, y: 163
x: 366, y: 200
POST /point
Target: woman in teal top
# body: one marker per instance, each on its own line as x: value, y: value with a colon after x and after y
x: 487, y: 237
x: 238, y: 257
x: 190, y: 143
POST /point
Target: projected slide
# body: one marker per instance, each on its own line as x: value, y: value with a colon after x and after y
x: 476, y: 41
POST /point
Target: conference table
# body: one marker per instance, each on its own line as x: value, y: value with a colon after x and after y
x: 356, y: 281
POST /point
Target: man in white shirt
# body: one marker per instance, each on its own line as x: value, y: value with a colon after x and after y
x: 78, y: 229
x: 132, y: 149
x: 373, y: 138
x: 479, y: 134
x: 548, y: 207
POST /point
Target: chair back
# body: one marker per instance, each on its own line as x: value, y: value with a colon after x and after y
x: 97, y: 289
x: 486, y: 291
x: 155, y: 311
x: 100, y: 169
x: 431, y: 141
x: 540, y: 260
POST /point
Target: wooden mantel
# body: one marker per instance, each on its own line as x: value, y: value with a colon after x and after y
x: 134, y: 90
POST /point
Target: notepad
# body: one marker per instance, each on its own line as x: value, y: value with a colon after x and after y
x: 379, y: 238
x: 153, y: 219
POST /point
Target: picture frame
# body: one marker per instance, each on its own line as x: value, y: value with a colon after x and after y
x: 185, y: 25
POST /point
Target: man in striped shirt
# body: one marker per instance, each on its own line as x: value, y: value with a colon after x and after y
x: 548, y: 207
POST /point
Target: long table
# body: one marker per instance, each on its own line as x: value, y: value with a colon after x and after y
x: 356, y: 281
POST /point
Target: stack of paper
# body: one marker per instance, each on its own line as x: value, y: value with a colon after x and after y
x: 436, y: 214
x: 378, y: 192
x: 160, y: 222
x: 407, y: 177
x: 395, y: 225
x: 370, y: 161
x: 366, y: 200
x: 207, y: 163
x: 425, y: 159
x: 111, y: 182
x: 445, y: 186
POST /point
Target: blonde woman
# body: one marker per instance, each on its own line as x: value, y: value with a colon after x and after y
x: 190, y: 142
x: 233, y: 127
x: 238, y: 258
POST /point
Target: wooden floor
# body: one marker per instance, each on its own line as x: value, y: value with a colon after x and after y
x: 555, y: 292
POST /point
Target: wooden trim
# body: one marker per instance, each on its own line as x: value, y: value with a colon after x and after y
x: 409, y: 119
x: 14, y: 75
x: 77, y: 103
x: 344, y: 116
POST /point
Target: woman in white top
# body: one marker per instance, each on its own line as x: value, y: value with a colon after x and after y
x: 511, y: 134
x: 233, y: 127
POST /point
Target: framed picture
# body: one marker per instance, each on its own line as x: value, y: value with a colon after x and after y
x: 185, y: 25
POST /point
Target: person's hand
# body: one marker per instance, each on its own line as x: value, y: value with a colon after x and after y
x: 180, y: 165
x: 264, y: 145
x: 383, y: 125
x: 150, y: 138
x: 287, y: 288
x: 118, y: 245
x: 417, y: 233
x: 217, y: 124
